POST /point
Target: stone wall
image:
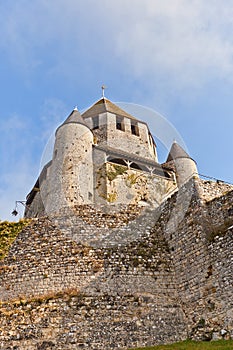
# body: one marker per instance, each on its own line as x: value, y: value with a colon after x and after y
x: 210, y: 190
x: 201, y: 250
x: 82, y: 322
x: 120, y: 277
x: 70, y: 178
x: 117, y: 184
x: 123, y: 140
x: 128, y: 291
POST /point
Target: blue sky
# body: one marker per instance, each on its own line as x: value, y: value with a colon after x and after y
x: 173, y: 56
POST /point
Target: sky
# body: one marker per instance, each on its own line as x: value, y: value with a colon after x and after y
x: 174, y: 57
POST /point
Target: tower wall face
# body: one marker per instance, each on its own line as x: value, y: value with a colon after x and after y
x: 185, y: 169
x: 138, y: 144
x: 70, y: 179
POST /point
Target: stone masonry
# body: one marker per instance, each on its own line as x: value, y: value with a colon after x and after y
x: 120, y: 277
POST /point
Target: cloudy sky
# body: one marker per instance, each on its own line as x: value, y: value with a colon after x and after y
x: 174, y: 56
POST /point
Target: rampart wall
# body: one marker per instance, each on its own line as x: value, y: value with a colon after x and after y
x: 201, y: 250
x: 122, y: 278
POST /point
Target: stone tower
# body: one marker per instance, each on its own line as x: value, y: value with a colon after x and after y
x: 114, y: 128
x: 106, y: 157
x: 70, y: 180
x: 185, y: 166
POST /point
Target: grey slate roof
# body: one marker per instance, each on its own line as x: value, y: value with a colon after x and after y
x: 105, y: 105
x: 176, y: 152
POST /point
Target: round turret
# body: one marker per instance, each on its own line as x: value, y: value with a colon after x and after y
x: 71, y: 173
x: 185, y: 167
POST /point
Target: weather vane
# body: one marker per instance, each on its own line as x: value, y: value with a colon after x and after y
x: 103, y: 87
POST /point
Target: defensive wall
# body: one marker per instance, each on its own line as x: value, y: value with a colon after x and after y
x: 102, y: 279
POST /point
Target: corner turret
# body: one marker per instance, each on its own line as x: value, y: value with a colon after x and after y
x: 71, y: 173
x: 185, y: 166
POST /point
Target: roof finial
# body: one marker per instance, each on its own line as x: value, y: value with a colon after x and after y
x: 103, y: 87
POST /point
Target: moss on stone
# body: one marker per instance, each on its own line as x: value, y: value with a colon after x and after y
x: 132, y: 179
x: 112, y: 197
x: 8, y: 233
x: 115, y: 171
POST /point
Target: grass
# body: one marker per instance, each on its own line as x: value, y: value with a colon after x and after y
x: 192, y: 345
x: 8, y: 233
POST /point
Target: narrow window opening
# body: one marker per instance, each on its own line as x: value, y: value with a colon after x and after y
x: 134, y: 128
x: 120, y: 123
x: 95, y: 121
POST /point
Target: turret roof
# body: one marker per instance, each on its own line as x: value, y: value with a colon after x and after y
x: 74, y: 117
x: 176, y: 152
x: 105, y: 105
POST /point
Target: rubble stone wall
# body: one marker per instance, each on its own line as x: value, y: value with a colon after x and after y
x: 201, y: 250
x: 121, y: 277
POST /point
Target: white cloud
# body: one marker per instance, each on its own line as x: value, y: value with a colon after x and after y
x: 21, y: 147
x: 52, y: 114
x: 187, y: 42
x: 161, y: 45
x: 183, y: 40
x: 14, y: 122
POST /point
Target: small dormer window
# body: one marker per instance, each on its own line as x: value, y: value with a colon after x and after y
x: 134, y: 128
x: 120, y: 123
x: 95, y: 122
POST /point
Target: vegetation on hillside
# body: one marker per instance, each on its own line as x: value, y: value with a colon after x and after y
x: 192, y: 345
x: 8, y: 233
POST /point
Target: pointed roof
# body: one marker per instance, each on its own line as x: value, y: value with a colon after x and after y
x: 105, y: 105
x: 177, y: 152
x: 74, y: 117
